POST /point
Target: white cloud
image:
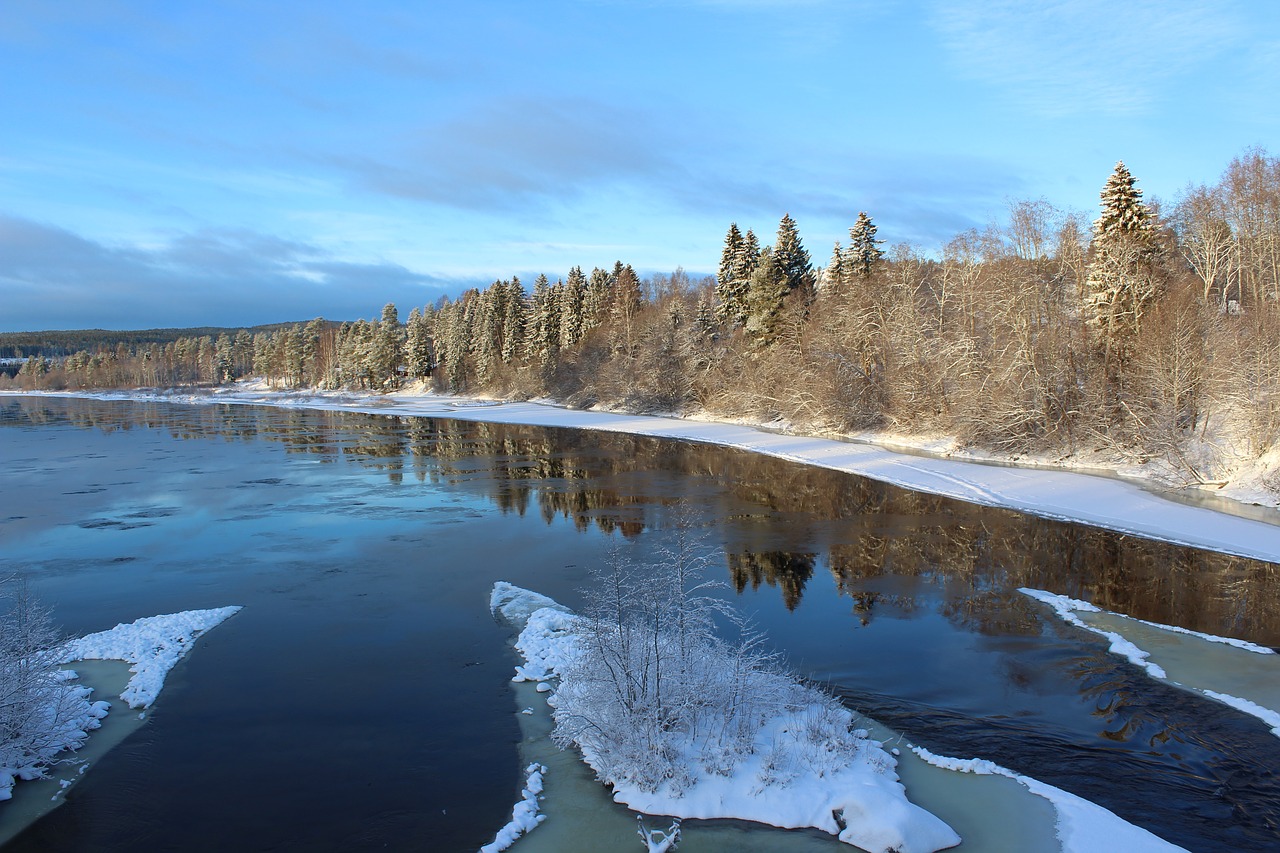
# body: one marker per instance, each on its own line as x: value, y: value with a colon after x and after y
x: 1083, y: 56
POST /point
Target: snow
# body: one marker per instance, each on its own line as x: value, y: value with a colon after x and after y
x: 1066, y: 608
x: 1082, y: 826
x: 153, y: 645
x: 845, y: 785
x: 1049, y: 493
x: 1253, y: 709
x: 1063, y: 606
x: 524, y: 816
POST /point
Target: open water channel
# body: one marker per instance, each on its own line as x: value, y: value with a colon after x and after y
x: 361, y: 698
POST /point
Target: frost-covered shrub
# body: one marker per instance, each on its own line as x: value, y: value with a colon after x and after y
x: 654, y: 690
x: 40, y: 713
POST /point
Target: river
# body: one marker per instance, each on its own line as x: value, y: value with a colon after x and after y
x: 360, y: 700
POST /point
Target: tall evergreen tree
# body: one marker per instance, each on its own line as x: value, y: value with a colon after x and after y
x: 766, y: 298
x: 1121, y: 283
x: 863, y: 255
x: 729, y: 256
x: 514, y: 318
x: 790, y: 257
x: 418, y: 349
x: 571, y: 308
x: 834, y: 275
x: 387, y: 354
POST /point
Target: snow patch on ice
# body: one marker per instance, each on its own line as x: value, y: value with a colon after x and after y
x: 1082, y: 826
x: 1253, y: 709
x: 1213, y: 638
x: 1064, y: 606
x: 152, y: 645
x: 524, y: 816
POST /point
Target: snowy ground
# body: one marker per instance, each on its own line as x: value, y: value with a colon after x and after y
x: 869, y: 794
x: 152, y: 646
x: 1105, y: 502
x: 853, y: 793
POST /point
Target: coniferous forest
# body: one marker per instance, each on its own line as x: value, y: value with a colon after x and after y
x: 1152, y: 332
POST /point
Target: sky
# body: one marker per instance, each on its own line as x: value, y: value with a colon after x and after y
x: 234, y: 163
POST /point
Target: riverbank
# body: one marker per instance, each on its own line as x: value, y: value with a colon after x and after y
x: 1145, y: 508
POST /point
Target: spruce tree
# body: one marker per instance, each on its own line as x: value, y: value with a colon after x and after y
x: 514, y: 319
x: 571, y: 308
x: 833, y: 277
x: 766, y: 298
x: 729, y: 259
x: 736, y: 262
x: 863, y: 255
x: 387, y: 351
x: 790, y: 257
x: 418, y: 348
x: 1121, y: 283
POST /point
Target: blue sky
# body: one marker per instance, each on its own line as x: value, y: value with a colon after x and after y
x: 234, y: 163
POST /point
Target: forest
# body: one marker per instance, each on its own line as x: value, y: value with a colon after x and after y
x: 1152, y: 334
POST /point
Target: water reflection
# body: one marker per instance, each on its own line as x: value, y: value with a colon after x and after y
x: 783, y: 522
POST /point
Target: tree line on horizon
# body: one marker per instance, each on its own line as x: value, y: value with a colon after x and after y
x: 1151, y: 332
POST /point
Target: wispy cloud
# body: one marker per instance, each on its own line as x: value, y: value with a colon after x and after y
x: 210, y: 277
x: 511, y: 151
x: 1083, y: 56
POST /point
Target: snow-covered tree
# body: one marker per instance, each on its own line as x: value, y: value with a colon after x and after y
x: 1121, y: 283
x: 419, y: 358
x: 387, y: 353
x: 863, y: 254
x: 791, y: 258
x: 571, y: 308
x: 766, y: 298
x: 731, y: 281
x: 37, y: 706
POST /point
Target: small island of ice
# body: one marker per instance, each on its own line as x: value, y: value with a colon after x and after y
x: 680, y: 722
x: 47, y: 714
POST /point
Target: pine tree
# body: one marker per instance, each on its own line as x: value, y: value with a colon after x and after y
x: 387, y: 351
x: 736, y: 262
x: 1121, y: 284
x: 833, y: 277
x: 765, y: 299
x: 571, y: 308
x: 225, y: 368
x: 729, y: 257
x: 595, y: 305
x: 750, y: 254
x: 863, y: 255
x: 418, y: 349
x: 790, y: 257
x: 514, y: 318
x: 542, y: 340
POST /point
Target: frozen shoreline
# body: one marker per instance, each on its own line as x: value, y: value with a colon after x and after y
x: 152, y: 646
x: 547, y: 643
x: 1061, y: 495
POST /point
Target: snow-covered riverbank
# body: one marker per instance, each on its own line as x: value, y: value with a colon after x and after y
x: 1106, y: 502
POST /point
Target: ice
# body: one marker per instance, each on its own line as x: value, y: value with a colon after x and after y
x: 153, y: 645
x: 1082, y: 826
x: 843, y: 783
x: 1217, y: 667
x: 524, y: 816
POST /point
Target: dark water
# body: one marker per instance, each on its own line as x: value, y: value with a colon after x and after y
x: 359, y: 701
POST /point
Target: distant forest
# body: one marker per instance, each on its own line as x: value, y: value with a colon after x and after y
x: 1150, y: 332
